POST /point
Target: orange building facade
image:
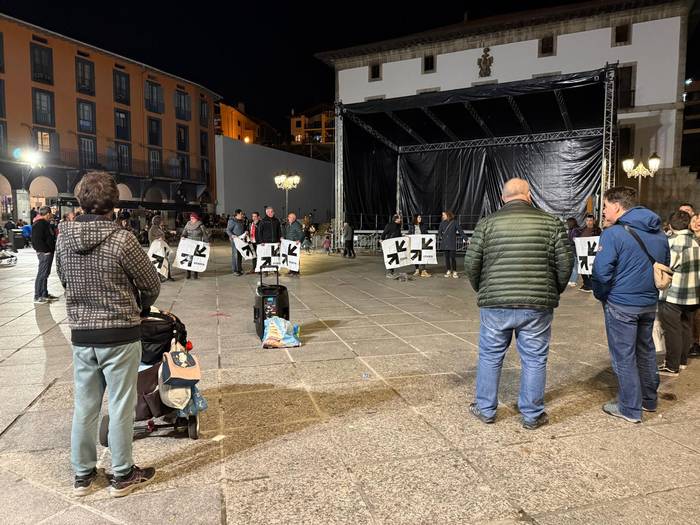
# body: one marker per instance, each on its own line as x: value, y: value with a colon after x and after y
x: 76, y: 108
x: 233, y: 123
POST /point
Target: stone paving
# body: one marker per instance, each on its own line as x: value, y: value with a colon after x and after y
x: 365, y: 423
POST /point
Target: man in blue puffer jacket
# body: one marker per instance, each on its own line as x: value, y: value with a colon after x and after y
x: 623, y: 280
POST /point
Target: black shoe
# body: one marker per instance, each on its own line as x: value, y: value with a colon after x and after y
x: 481, y: 417
x: 123, y: 485
x: 188, y: 275
x: 694, y: 350
x: 238, y: 273
x: 541, y: 420
x: 82, y: 484
x: 196, y: 275
x: 50, y: 297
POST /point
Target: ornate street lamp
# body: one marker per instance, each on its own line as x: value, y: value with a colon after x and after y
x: 640, y: 170
x: 287, y: 181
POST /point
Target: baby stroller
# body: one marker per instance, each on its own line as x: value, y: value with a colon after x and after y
x: 157, y: 332
x: 7, y: 252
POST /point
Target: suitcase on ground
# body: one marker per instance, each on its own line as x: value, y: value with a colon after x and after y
x: 270, y: 300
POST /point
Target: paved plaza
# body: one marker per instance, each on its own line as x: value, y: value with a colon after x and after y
x: 367, y: 422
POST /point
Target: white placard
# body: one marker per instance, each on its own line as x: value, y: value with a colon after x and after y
x: 192, y: 255
x: 245, y: 247
x: 290, y: 256
x: 396, y: 252
x: 268, y: 257
x: 423, y: 249
x: 159, y: 253
x: 586, y: 250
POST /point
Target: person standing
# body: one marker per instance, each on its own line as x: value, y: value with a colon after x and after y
x: 236, y: 229
x: 518, y: 262
x: 448, y: 231
x: 44, y: 243
x: 155, y: 233
x: 590, y: 229
x: 269, y: 229
x: 195, y: 230
x: 418, y: 228
x: 392, y: 230
x: 623, y: 280
x: 678, y: 303
x: 32, y: 214
x: 294, y: 231
x: 109, y: 281
x: 348, y: 240
x: 571, y: 227
x: 252, y: 234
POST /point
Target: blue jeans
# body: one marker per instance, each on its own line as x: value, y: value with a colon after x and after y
x: 95, y: 368
x: 533, y: 329
x: 42, y: 274
x: 236, y: 259
x: 633, y: 358
x: 574, y: 271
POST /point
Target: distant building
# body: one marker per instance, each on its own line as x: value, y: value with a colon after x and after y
x: 691, y: 127
x: 315, y: 125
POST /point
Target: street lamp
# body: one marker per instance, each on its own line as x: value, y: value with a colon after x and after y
x: 641, y: 171
x: 287, y: 182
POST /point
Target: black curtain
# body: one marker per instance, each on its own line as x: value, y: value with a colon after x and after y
x: 562, y: 175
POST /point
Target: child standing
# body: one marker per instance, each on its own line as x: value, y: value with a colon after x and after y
x: 327, y: 244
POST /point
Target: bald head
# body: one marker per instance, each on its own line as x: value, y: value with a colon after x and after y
x: 516, y: 189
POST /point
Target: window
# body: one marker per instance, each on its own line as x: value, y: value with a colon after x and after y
x: 42, y: 139
x: 85, y: 76
x: 121, y: 87
x: 298, y: 123
x: 123, y: 158
x: 2, y: 54
x: 622, y: 35
x: 87, y: 151
x: 205, y: 169
x: 204, y: 144
x: 155, y: 137
x: 547, y: 46
x: 86, y: 116
x: 182, y: 138
x: 154, y: 97
x: 625, y: 83
x: 203, y: 113
x: 183, y: 111
x: 122, y: 124
x: 154, y: 163
x: 375, y: 72
x: 625, y: 145
x: 429, y: 64
x: 183, y: 166
x: 2, y: 99
x: 3, y: 139
x: 239, y: 123
x: 42, y: 63
x: 43, y: 107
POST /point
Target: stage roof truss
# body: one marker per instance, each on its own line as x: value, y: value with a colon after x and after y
x: 518, y: 114
x: 475, y: 115
x: 405, y: 127
x: 562, y: 109
x: 439, y: 123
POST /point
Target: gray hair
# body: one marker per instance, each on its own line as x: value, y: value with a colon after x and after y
x: 44, y: 210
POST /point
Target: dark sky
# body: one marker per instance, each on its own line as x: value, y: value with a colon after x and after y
x: 257, y: 52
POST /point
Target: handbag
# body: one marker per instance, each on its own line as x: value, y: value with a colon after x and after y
x: 180, y: 368
x: 663, y: 275
x: 173, y: 396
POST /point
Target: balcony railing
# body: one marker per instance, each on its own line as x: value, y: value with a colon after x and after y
x: 155, y: 106
x: 183, y: 114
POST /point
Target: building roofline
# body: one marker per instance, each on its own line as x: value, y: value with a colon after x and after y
x: 488, y: 25
x: 120, y: 57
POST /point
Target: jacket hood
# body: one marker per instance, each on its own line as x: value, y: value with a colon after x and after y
x: 84, y: 236
x: 190, y: 226
x: 642, y: 219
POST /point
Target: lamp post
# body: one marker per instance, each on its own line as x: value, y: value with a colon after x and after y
x: 287, y: 182
x: 640, y: 170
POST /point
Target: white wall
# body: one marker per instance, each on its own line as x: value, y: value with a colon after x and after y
x: 245, y: 179
x: 654, y: 48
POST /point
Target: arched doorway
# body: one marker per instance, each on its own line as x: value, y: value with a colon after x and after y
x: 153, y: 194
x: 124, y: 192
x: 42, y: 192
x: 5, y: 197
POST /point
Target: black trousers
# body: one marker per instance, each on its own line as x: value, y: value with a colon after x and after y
x: 451, y: 260
x: 349, y: 250
x: 676, y: 321
x: 586, y: 282
x: 42, y: 275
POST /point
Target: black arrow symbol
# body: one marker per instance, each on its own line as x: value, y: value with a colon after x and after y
x: 266, y: 261
x: 248, y: 250
x: 187, y: 259
x: 416, y: 254
x: 400, y: 246
x: 285, y: 259
x: 393, y: 258
x: 292, y: 250
x: 583, y: 259
x: 275, y: 251
x: 592, y: 245
x: 427, y: 244
x: 200, y: 251
x: 158, y: 260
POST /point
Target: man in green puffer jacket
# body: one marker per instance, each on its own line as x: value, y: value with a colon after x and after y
x: 518, y: 262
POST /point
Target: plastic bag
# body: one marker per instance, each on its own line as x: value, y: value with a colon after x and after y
x: 196, y: 405
x: 280, y: 333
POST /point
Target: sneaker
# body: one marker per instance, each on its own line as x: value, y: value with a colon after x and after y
x: 572, y: 285
x: 645, y: 409
x: 51, y: 297
x: 613, y: 410
x: 82, y: 484
x: 682, y: 367
x: 416, y: 273
x: 123, y: 485
x: 389, y: 275
x: 454, y: 274
x: 448, y: 274
x: 424, y: 274
x: 694, y: 350
x: 538, y: 422
x: 481, y: 417
x: 587, y: 290
x: 41, y: 300
x: 666, y: 371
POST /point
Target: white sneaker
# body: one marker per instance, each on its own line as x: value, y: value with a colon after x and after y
x: 416, y: 273
x: 448, y: 274
x: 454, y: 274
x: 424, y: 274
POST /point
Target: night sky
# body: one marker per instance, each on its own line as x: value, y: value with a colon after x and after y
x: 256, y: 52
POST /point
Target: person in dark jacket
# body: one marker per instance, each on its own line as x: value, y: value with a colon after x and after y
x: 348, y: 240
x: 294, y: 231
x: 519, y: 262
x: 448, y: 231
x: 109, y: 282
x: 392, y: 230
x: 269, y: 229
x: 418, y: 228
x: 44, y: 242
x: 252, y: 233
x: 590, y: 229
x: 234, y: 229
x: 195, y: 230
x: 623, y: 280
x: 571, y: 227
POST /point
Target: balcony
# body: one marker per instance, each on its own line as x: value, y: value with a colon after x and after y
x: 155, y: 106
x: 183, y: 114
